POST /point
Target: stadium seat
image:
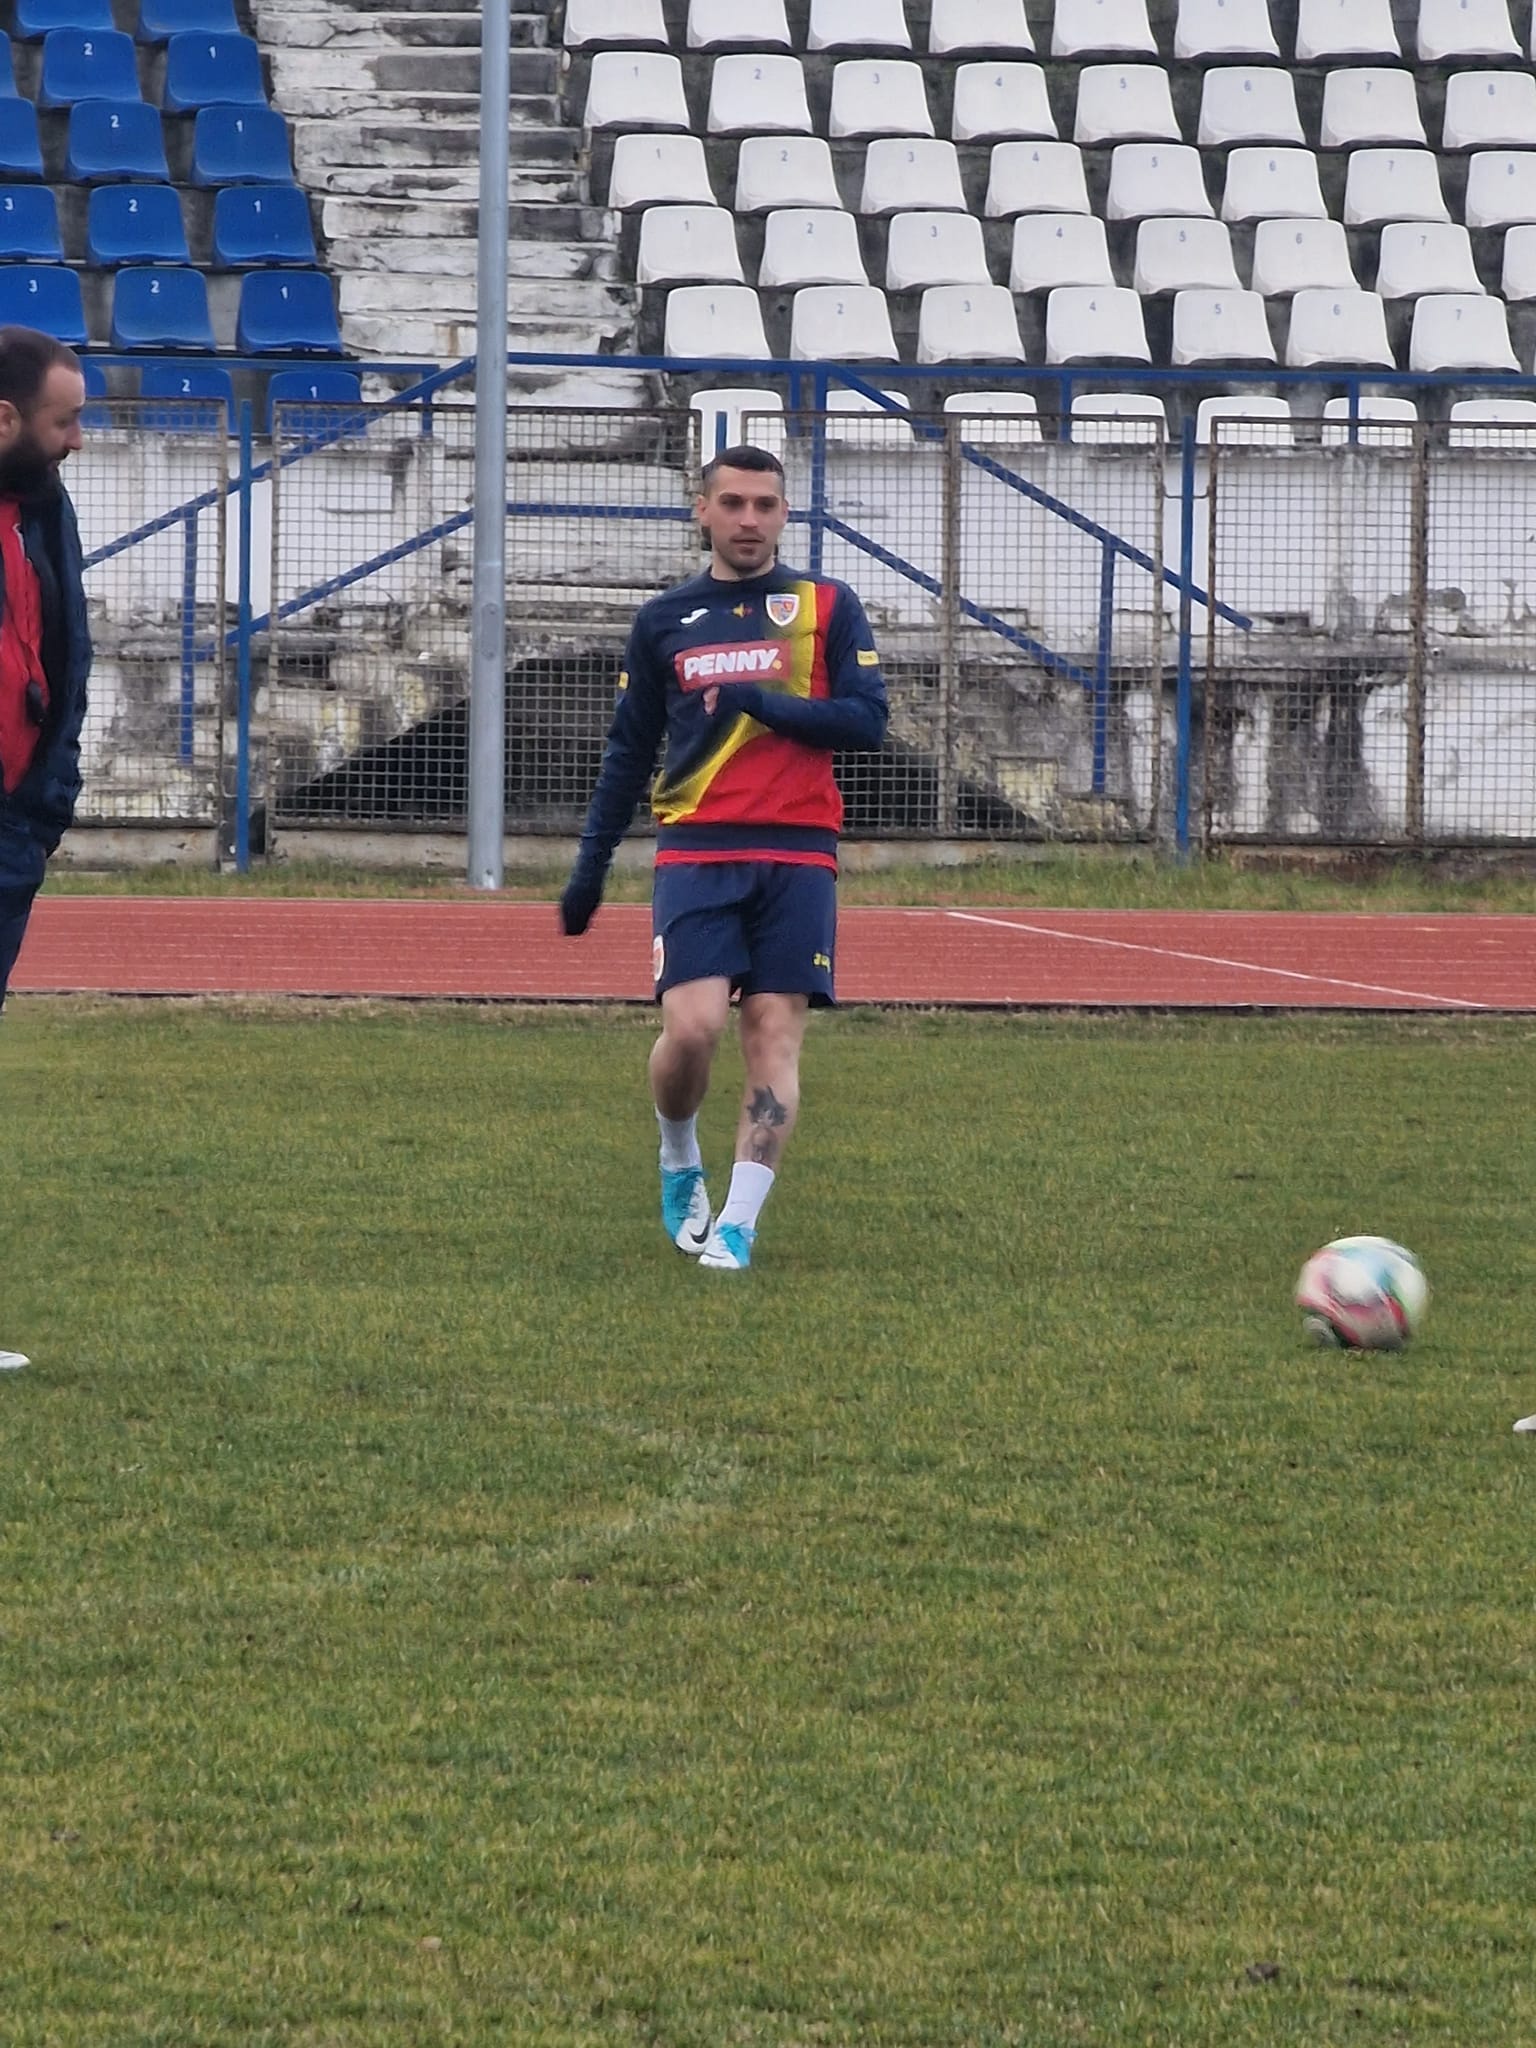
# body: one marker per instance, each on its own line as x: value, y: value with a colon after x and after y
x: 1084, y: 28
x: 652, y: 170
x: 959, y: 323
x: 1518, y: 279
x: 1460, y: 331
x: 1489, y: 110
x: 790, y: 170
x: 726, y: 24
x: 833, y: 323
x: 729, y: 415
x: 1086, y: 324
x: 624, y: 22
x: 1272, y: 184
x: 688, y: 245
x: 1464, y: 28
x: 96, y: 418
x: 1292, y: 256
x: 159, y: 20
x: 339, y: 388
x: 43, y: 296
x: 212, y: 71
x: 996, y: 419
x: 1370, y: 106
x: 1338, y: 328
x: 1223, y: 28
x: 240, y: 146
x: 1244, y: 105
x: 810, y: 245
x: 957, y: 25
x: 80, y: 65
x: 184, y: 395
x: 1147, y: 179
x: 21, y: 153
x: 262, y: 224
x: 934, y: 248
x: 1392, y: 184
x: 134, y: 224
x: 1124, y: 103
x: 900, y: 174
x: 1425, y: 256
x: 29, y: 225
x: 715, y: 320
x: 757, y: 95
x: 995, y: 101
x: 1117, y: 419
x: 287, y: 312
x: 1184, y: 255
x: 1250, y: 421
x: 1220, y: 327
x: 161, y: 306
x: 1496, y: 425
x: 856, y: 421
x: 636, y: 89
x: 7, y: 69
x: 1036, y: 177
x: 111, y: 142
x: 878, y: 96
x: 1380, y: 422
x: 1501, y: 188
x: 858, y: 25
x: 1329, y: 29
x: 31, y: 20
x: 1051, y: 249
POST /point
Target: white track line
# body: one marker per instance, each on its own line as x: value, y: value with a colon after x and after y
x: 1373, y: 988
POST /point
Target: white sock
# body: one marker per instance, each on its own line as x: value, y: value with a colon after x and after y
x: 679, y: 1142
x: 749, y: 1188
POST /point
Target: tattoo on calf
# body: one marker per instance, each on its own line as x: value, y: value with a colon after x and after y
x: 768, y: 1116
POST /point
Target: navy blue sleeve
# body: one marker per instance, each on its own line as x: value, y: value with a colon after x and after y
x: 629, y: 758
x: 853, y: 717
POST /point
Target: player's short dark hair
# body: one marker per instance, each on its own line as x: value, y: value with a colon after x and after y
x: 26, y: 357
x: 744, y: 457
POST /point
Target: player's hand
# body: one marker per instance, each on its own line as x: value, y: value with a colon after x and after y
x: 734, y: 699
x: 578, y: 906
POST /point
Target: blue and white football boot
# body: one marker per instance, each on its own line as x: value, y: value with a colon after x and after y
x: 685, y: 1208
x: 729, y: 1249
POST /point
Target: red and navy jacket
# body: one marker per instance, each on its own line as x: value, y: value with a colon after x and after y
x: 747, y: 770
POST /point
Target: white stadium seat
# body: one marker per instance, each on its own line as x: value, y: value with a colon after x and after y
x: 635, y: 89
x: 1370, y: 106
x: 1392, y: 184
x: 1259, y: 421
x: 854, y: 421
x: 961, y: 323
x: 1224, y: 28
x: 1091, y: 325
x: 833, y: 323
x: 758, y: 95
x: 614, y: 21
x: 1036, y: 177
x: 1248, y: 105
x: 1464, y: 28
x: 1501, y: 188
x: 1086, y: 27
x: 785, y: 170
x: 1051, y: 249
x: 1347, y: 329
x: 995, y: 101
x: 715, y: 320
x: 934, y: 248
x: 1490, y: 110
x: 1457, y: 331
x: 726, y: 419
x: 1292, y: 256
x: 810, y: 245
x: 1148, y: 179
x: 1183, y: 255
x: 1519, y: 276
x: 1272, y: 184
x: 878, y: 96
x: 900, y: 175
x: 688, y: 245
x: 1425, y: 256
x: 750, y: 24
x: 1380, y: 422
x: 958, y: 25
x: 650, y: 170
x: 996, y: 419
x: 1118, y: 419
x: 1504, y: 426
x: 1220, y: 327
x: 1124, y: 102
x: 1329, y: 29
x: 858, y: 25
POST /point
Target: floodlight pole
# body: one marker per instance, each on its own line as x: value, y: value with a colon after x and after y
x: 488, y: 653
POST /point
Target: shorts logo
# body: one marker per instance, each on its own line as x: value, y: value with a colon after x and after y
x: 753, y: 661
x: 822, y: 960
x: 783, y: 608
x: 658, y: 957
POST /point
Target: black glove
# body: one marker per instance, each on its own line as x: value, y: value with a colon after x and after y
x: 578, y: 906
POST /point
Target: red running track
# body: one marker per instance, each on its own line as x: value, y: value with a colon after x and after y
x: 1009, y: 957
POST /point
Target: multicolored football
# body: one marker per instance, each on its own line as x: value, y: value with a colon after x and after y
x: 1365, y: 1293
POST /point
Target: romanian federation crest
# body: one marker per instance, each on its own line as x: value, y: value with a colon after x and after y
x: 783, y: 608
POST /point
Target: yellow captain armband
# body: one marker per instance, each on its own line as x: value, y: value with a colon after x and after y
x: 868, y: 658
x: 623, y: 678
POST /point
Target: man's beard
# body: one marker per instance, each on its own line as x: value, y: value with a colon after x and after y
x: 25, y: 471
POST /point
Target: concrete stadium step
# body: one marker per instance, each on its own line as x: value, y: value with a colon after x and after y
x: 528, y: 183
x: 344, y: 219
x: 544, y: 301
x: 447, y: 336
x: 360, y: 27
x: 431, y: 73
x: 404, y: 146
x: 529, y: 24
x: 444, y: 256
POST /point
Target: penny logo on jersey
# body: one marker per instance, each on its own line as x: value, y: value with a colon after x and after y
x: 750, y: 661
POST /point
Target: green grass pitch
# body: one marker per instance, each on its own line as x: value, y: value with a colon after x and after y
x: 431, y: 1612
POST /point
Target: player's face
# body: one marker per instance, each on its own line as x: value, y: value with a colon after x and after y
x: 743, y: 512
x: 34, y: 443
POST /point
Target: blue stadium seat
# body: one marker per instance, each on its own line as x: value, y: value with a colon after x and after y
x: 45, y: 298
x: 159, y: 20
x: 108, y: 143
x: 29, y: 225
x: 283, y: 311
x: 7, y: 70
x: 37, y: 18
x: 212, y: 71
x: 21, y: 154
x: 262, y: 224
x: 240, y: 146
x: 188, y: 393
x: 135, y: 224
x: 338, y: 388
x: 95, y: 417
x: 161, y: 306
x: 81, y: 65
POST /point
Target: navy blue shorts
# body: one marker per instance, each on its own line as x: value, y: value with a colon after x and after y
x: 769, y: 927
x: 22, y: 862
